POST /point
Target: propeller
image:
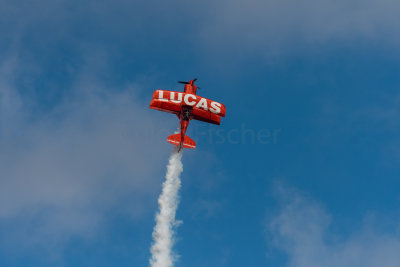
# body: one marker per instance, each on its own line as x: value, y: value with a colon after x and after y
x: 195, y: 79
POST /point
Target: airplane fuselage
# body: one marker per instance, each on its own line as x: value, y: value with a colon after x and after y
x: 185, y: 114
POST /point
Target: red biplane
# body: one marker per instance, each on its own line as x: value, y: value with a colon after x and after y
x: 187, y: 105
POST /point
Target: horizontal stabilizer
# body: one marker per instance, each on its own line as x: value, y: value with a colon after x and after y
x: 176, y: 140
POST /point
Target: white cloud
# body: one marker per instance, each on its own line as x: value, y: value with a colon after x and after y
x: 64, y: 172
x: 230, y: 29
x: 256, y: 26
x: 303, y: 230
x: 275, y: 25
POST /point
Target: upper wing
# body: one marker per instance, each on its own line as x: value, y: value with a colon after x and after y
x: 203, y: 109
x: 208, y: 111
x: 162, y: 102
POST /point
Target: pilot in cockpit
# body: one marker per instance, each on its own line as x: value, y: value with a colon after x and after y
x: 186, y: 114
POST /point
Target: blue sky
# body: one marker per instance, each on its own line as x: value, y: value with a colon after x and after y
x: 82, y: 156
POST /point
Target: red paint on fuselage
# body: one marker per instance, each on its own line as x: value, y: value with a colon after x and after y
x: 184, y: 126
x: 190, y: 88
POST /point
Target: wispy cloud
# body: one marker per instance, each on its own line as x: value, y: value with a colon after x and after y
x: 256, y: 26
x: 66, y: 170
x: 274, y: 26
x: 71, y: 132
x: 303, y: 230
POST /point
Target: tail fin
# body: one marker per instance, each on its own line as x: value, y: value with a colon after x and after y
x: 176, y: 140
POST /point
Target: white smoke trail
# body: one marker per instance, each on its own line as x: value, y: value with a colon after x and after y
x: 161, y: 250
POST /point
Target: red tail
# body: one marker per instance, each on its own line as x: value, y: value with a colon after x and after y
x: 176, y: 140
